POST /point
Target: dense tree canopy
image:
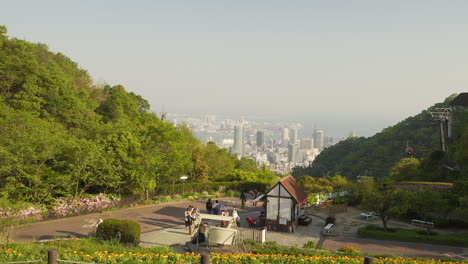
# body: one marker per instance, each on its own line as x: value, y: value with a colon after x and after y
x: 374, y: 156
x: 61, y: 135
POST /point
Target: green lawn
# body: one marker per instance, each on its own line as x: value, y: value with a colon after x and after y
x: 414, y: 235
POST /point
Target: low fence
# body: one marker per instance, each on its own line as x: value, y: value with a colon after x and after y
x: 257, y: 235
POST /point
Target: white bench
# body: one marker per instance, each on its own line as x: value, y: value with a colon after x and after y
x: 328, y: 228
x: 368, y: 215
x: 422, y: 223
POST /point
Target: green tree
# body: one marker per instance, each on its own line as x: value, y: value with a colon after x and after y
x: 219, y: 162
x: 30, y: 163
x: 313, y: 185
x: 246, y: 164
x: 386, y: 202
x: 429, y: 203
x: 407, y: 169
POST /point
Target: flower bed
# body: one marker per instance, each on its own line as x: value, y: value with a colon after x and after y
x: 11, y: 254
x: 30, y: 212
x: 92, y: 250
x: 71, y: 206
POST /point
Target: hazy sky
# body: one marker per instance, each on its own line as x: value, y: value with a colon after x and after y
x: 369, y: 60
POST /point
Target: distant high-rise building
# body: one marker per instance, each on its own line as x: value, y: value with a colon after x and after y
x: 238, y: 146
x: 328, y: 141
x: 285, y: 136
x: 260, y: 138
x: 293, y: 152
x: 307, y: 143
x: 318, y: 139
x: 210, y: 119
x: 293, y: 136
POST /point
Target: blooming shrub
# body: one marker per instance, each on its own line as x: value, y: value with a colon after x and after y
x: 349, y: 249
x: 29, y: 213
x: 71, y: 206
x: 104, y: 256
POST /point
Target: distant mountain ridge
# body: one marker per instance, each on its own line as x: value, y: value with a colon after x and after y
x: 374, y: 156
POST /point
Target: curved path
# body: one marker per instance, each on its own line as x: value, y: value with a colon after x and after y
x: 151, y: 217
x: 167, y: 217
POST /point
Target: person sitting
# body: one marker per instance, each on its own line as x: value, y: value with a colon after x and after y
x: 223, y: 222
x: 215, y: 209
x: 201, y: 236
x: 251, y: 222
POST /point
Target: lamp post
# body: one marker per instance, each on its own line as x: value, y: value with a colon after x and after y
x: 183, y: 178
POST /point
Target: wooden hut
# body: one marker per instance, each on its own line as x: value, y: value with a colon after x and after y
x: 283, y: 205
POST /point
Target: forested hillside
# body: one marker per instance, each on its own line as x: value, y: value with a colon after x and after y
x: 61, y: 135
x: 374, y: 156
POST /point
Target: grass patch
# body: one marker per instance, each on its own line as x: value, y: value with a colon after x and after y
x: 414, y: 235
x: 427, y: 183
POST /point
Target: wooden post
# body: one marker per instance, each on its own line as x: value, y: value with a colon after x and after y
x: 368, y: 260
x: 205, y: 258
x: 52, y: 256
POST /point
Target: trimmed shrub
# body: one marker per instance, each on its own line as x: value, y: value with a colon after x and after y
x: 412, y: 235
x: 450, y: 223
x: 349, y: 249
x: 426, y: 233
x: 330, y: 220
x: 310, y: 244
x: 125, y: 231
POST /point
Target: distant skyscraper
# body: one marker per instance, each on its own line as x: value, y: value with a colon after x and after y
x: 260, y: 138
x: 238, y: 147
x: 285, y: 136
x: 293, y: 136
x: 318, y: 139
x: 292, y: 152
x: 307, y: 143
x: 210, y: 119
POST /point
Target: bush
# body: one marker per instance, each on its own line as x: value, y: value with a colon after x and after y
x: 347, y: 199
x: 330, y: 220
x: 199, y: 187
x: 272, y: 247
x: 310, y: 244
x: 73, y: 206
x: 412, y: 235
x: 426, y: 233
x: 125, y: 231
x: 349, y: 249
x: 450, y: 223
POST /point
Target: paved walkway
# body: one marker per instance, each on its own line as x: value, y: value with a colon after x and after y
x: 163, y: 225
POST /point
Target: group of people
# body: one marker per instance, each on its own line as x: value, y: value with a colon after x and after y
x: 218, y: 209
x: 191, y: 214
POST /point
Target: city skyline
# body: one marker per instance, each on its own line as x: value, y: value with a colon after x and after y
x: 278, y: 146
x: 368, y: 63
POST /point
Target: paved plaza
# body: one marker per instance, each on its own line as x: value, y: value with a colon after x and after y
x: 162, y: 224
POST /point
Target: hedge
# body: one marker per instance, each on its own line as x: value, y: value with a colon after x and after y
x: 210, y: 186
x: 125, y: 231
x: 413, y: 235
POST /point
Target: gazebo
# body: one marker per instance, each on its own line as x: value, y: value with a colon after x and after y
x: 283, y: 205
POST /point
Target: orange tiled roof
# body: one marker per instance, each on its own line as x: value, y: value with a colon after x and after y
x: 294, y: 189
